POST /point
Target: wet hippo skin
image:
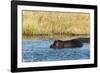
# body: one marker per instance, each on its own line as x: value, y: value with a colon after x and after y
x: 74, y: 43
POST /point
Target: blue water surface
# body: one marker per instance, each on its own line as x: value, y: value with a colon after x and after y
x: 39, y: 50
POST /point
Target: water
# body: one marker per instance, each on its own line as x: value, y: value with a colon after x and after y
x: 39, y: 50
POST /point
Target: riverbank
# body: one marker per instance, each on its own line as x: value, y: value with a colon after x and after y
x: 54, y: 37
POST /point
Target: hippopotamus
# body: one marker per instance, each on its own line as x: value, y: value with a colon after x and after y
x: 66, y: 44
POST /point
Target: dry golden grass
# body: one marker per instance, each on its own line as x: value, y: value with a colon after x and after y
x: 37, y: 22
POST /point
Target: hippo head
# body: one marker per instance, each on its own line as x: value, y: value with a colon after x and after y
x: 57, y: 44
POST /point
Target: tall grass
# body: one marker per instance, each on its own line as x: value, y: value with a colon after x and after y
x: 37, y: 22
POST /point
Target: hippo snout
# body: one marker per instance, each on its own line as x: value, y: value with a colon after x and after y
x: 51, y: 46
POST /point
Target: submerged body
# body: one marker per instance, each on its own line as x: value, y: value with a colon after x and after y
x: 67, y: 44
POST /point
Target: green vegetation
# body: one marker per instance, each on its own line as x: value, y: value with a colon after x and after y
x: 55, y: 25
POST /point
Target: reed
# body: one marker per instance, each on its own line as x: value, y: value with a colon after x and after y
x: 53, y: 23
